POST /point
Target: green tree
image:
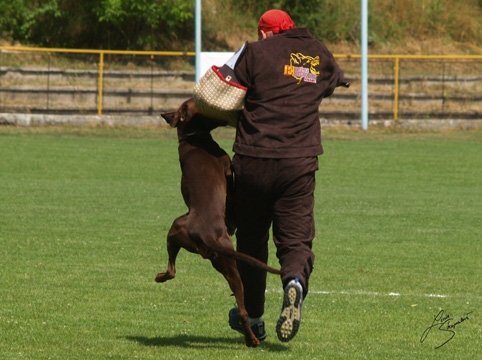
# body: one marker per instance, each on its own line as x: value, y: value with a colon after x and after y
x: 147, y: 23
x: 15, y: 17
x: 115, y: 24
x: 327, y: 20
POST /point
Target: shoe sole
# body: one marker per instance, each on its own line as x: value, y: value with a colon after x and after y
x: 290, y: 318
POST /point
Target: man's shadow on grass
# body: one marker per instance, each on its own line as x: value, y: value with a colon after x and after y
x: 202, y: 342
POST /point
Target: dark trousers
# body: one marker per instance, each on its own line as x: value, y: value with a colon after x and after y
x: 277, y: 193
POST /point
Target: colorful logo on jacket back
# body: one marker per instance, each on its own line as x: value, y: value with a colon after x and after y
x: 302, y: 67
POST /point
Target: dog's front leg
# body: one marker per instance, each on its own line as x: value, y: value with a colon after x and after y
x: 177, y: 238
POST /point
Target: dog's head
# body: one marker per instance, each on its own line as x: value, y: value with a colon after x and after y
x: 181, y: 119
x: 185, y: 112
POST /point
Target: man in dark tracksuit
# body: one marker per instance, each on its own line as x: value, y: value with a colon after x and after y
x: 278, y: 140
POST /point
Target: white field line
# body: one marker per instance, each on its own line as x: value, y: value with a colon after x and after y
x: 375, y: 293
x: 381, y: 294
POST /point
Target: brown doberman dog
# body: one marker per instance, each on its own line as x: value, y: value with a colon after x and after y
x: 206, y: 186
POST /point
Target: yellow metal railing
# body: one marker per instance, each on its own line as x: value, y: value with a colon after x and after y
x: 101, y: 54
x: 396, y: 71
x: 396, y: 67
x: 101, y: 83
x: 396, y: 59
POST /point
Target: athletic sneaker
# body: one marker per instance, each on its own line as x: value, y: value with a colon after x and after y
x: 258, y: 328
x: 290, y: 318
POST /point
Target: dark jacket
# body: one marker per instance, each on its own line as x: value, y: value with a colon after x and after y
x: 287, y: 76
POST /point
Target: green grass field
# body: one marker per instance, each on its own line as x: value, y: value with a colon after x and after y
x: 83, y: 218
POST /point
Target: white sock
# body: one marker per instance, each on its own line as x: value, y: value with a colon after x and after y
x: 253, y: 321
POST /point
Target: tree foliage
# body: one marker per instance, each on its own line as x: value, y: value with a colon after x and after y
x: 116, y: 24
x: 169, y: 24
x: 325, y: 19
x: 389, y: 21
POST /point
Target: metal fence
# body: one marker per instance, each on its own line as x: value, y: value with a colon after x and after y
x: 451, y: 83
x: 49, y: 80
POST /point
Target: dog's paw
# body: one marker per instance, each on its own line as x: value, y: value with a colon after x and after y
x: 252, y: 341
x: 162, y: 277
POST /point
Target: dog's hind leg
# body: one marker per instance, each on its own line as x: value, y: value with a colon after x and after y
x: 177, y: 238
x: 227, y: 267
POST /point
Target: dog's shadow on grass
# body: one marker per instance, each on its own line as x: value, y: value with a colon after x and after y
x: 202, y: 342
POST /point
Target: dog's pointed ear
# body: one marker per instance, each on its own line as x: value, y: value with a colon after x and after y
x: 170, y: 118
x: 189, y: 108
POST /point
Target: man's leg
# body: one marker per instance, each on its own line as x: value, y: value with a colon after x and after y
x: 253, y: 218
x: 293, y: 221
x: 293, y: 233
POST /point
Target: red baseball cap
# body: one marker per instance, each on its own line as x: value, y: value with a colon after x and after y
x: 275, y: 21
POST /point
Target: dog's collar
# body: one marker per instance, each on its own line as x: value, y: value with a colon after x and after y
x: 199, y: 133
